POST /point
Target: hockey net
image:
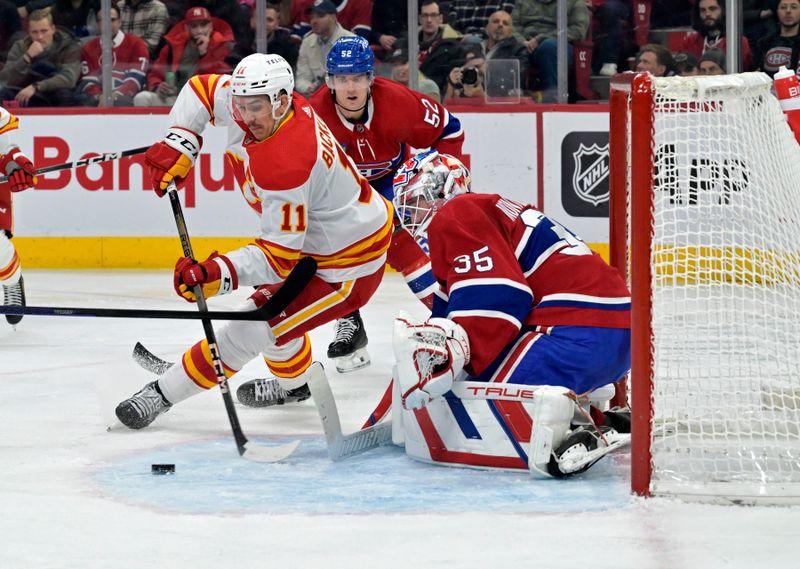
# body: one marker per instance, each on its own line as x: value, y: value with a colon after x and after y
x: 706, y: 220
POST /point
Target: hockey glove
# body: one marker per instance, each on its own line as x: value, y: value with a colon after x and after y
x: 429, y: 357
x: 172, y: 158
x: 19, y: 169
x: 217, y: 275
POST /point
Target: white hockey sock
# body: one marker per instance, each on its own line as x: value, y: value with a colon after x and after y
x: 9, y: 261
x: 176, y: 385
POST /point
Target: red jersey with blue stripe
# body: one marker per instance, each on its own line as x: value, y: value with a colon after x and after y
x: 504, y: 266
x: 397, y: 120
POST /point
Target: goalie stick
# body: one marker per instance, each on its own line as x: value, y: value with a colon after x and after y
x: 342, y: 446
x: 87, y: 161
x: 245, y: 447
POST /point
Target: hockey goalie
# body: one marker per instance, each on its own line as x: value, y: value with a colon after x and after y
x: 528, y: 334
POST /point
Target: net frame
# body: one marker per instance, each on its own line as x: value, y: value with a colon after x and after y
x: 633, y: 154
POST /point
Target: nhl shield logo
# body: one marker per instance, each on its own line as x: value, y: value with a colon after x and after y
x: 590, y: 176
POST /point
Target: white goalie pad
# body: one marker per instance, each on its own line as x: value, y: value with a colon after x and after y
x: 480, y: 425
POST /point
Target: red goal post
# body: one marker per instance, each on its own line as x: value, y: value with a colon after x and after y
x: 705, y: 225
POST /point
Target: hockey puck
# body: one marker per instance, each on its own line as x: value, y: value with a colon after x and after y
x: 162, y: 469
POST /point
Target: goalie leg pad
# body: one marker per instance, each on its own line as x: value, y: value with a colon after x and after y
x: 553, y: 408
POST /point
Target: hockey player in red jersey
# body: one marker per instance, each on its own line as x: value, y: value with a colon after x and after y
x: 524, y: 303
x: 21, y: 175
x: 311, y: 201
x: 378, y: 122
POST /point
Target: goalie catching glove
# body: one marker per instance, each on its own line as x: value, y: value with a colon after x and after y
x: 217, y: 275
x: 19, y: 170
x: 429, y: 357
x: 172, y: 158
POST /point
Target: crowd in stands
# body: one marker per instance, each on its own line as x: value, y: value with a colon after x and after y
x: 50, y: 50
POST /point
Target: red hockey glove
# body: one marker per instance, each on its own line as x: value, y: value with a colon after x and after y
x: 19, y: 169
x: 216, y: 274
x: 172, y: 158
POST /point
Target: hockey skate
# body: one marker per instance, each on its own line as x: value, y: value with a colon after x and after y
x: 348, y: 349
x: 143, y: 407
x: 14, y: 295
x: 266, y: 392
x: 583, y: 447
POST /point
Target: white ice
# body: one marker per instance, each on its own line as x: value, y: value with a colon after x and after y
x: 76, y: 495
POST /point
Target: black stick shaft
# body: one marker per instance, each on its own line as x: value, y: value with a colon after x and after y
x: 211, y: 337
x: 87, y: 161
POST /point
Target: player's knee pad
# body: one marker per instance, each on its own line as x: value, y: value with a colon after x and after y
x: 10, y: 266
x: 241, y: 341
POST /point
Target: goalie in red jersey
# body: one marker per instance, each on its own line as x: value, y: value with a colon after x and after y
x: 528, y: 322
x: 378, y: 122
x: 20, y: 174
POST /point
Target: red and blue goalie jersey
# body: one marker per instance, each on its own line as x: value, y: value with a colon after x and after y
x: 505, y: 267
x: 397, y: 119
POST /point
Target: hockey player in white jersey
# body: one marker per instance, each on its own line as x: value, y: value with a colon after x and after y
x: 530, y: 327
x: 311, y: 200
x: 20, y: 174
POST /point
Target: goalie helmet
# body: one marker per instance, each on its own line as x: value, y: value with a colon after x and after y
x: 422, y: 185
x: 350, y: 55
x: 263, y: 74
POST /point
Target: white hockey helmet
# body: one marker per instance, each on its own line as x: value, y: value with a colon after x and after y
x: 422, y: 185
x: 263, y: 74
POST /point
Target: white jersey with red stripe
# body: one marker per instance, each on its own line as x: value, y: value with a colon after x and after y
x: 8, y: 124
x: 309, y: 195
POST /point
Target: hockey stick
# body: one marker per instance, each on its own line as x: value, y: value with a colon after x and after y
x: 341, y: 446
x: 88, y: 161
x: 381, y: 408
x: 246, y: 449
x: 149, y: 361
x: 302, y: 273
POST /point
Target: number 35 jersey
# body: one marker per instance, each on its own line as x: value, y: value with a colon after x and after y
x: 504, y: 266
x: 398, y: 119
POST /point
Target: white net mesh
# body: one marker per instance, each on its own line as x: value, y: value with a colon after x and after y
x: 726, y: 291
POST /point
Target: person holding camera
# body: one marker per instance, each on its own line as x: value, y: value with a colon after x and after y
x: 467, y: 81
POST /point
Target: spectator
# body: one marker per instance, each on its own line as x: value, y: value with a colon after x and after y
x: 232, y: 13
x: 279, y: 40
x: 10, y: 28
x: 130, y: 56
x: 471, y: 16
x: 759, y: 20
x: 782, y: 47
x: 400, y: 73
x: 439, y: 44
x: 325, y: 30
x: 535, y: 24
x: 43, y: 68
x: 712, y: 63
x: 146, y: 19
x: 655, y: 59
x: 501, y: 43
x: 74, y: 16
x: 198, y: 45
x: 685, y: 64
x: 467, y: 81
x: 389, y: 22
x: 355, y: 15
x: 608, y: 17
x: 709, y: 22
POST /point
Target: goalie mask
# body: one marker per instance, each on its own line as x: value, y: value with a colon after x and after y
x: 422, y: 185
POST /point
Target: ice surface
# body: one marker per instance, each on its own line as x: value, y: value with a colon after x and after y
x: 76, y: 495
